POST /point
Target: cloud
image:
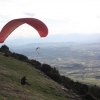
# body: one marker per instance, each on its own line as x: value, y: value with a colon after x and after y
x: 29, y: 14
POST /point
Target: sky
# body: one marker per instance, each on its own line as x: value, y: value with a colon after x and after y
x: 60, y: 16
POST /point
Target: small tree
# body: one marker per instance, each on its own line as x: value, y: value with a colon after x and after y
x: 46, y: 68
x: 4, y: 49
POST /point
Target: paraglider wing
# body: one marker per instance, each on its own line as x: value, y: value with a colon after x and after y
x: 37, y: 48
x: 13, y: 24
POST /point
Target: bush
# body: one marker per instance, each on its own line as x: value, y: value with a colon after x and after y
x: 46, y: 68
x: 4, y: 49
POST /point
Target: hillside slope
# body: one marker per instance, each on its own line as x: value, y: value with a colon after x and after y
x: 42, y: 87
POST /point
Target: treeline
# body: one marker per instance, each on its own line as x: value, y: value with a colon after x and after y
x: 85, y: 91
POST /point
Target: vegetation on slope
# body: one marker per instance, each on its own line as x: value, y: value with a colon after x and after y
x: 14, y: 66
x: 42, y: 87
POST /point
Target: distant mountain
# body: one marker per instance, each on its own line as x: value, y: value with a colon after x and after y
x: 89, y: 38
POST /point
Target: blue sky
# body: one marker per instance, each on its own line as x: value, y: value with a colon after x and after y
x: 60, y: 16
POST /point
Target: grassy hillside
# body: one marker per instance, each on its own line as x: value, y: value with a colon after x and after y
x: 42, y: 87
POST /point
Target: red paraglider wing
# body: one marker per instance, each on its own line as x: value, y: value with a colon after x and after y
x: 13, y: 24
x: 37, y: 48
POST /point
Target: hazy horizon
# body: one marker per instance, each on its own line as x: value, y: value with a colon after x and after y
x: 78, y: 38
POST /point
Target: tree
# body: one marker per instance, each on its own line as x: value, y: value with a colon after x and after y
x: 46, y: 68
x: 4, y: 49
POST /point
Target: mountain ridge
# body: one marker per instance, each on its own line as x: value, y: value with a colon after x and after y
x: 79, y: 38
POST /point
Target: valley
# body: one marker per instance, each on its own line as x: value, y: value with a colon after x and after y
x: 79, y: 61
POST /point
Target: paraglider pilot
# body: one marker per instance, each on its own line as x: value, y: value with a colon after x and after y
x: 24, y: 82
